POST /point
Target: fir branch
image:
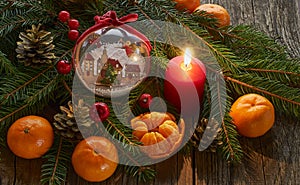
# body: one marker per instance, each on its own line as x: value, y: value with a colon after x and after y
x: 285, y: 99
x: 12, y: 113
x: 273, y: 71
x: 226, y: 58
x: 286, y: 71
x: 45, y: 91
x: 67, y: 87
x: 6, y: 67
x: 54, y: 170
x: 261, y: 90
x: 10, y: 91
x: 255, y: 44
x: 121, y: 133
x: 32, y: 100
x: 217, y: 104
x: 21, y: 14
x: 143, y: 173
x: 210, y: 24
x: 231, y: 148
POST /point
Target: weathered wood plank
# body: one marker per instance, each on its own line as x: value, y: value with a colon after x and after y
x: 167, y: 172
x: 28, y: 171
x: 7, y: 170
x: 280, y: 19
x: 185, y: 169
x: 210, y: 169
x: 281, y: 154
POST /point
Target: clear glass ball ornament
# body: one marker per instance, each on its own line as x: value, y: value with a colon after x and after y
x: 111, y: 61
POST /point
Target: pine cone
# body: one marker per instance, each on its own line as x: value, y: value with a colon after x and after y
x: 197, y: 136
x: 35, y: 47
x: 66, y: 124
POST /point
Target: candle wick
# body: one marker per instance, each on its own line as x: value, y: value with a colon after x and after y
x: 185, y: 66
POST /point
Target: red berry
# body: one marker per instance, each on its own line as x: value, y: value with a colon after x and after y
x: 63, y: 67
x: 145, y: 101
x: 73, y: 34
x: 99, y: 112
x: 73, y: 24
x: 64, y: 16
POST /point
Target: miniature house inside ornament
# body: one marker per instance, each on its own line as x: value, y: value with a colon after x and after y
x: 111, y: 58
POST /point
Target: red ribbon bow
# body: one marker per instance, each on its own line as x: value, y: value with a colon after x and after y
x: 110, y: 18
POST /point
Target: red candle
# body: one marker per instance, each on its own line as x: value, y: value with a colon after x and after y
x: 184, y: 84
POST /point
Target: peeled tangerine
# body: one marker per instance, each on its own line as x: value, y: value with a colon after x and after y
x: 158, y: 132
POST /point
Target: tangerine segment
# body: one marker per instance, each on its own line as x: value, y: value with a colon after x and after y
x: 140, y: 129
x: 253, y: 115
x: 168, y: 128
x: 154, y: 119
x: 30, y: 137
x: 95, y: 159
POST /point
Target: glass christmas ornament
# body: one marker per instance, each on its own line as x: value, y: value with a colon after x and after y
x: 111, y: 58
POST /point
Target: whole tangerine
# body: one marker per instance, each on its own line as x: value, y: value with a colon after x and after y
x: 30, y: 137
x: 190, y: 5
x: 95, y: 159
x: 216, y: 11
x: 253, y: 115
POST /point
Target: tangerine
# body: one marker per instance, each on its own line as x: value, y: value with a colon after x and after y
x: 190, y: 5
x: 95, y: 159
x: 30, y: 137
x: 158, y: 132
x: 216, y: 11
x: 253, y: 115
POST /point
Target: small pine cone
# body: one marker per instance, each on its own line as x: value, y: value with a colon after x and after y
x: 66, y: 123
x: 82, y: 113
x: 198, y: 135
x: 35, y: 47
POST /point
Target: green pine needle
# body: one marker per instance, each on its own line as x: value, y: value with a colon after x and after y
x: 55, y: 169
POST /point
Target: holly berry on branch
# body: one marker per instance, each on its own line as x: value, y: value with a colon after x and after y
x: 64, y: 16
x: 99, y: 112
x: 73, y: 35
x: 73, y: 24
x: 145, y: 100
x: 63, y: 67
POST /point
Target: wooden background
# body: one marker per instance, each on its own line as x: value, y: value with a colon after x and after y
x: 272, y: 159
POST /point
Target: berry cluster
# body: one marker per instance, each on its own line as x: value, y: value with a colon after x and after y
x: 64, y: 16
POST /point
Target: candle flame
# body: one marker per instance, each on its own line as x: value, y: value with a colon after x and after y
x: 187, y: 57
x: 186, y: 64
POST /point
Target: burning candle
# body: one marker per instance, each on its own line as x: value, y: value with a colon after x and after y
x: 184, y: 83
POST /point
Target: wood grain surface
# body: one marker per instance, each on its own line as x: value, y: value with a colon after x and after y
x: 273, y: 159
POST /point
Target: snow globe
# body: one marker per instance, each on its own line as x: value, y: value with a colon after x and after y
x: 111, y: 60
